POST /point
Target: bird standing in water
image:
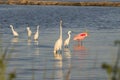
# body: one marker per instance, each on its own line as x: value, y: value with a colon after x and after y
x: 58, y: 44
x: 29, y: 32
x: 66, y: 42
x: 81, y: 36
x: 15, y: 34
x: 36, y: 35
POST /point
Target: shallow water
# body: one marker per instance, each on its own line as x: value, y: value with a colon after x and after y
x: 34, y: 60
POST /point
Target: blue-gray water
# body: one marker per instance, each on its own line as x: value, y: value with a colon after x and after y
x: 35, y: 60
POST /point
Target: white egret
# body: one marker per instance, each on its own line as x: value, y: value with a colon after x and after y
x: 66, y: 42
x: 15, y: 34
x: 58, y: 44
x: 36, y: 34
x: 29, y: 32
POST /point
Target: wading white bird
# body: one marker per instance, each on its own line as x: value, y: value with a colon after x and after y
x: 66, y: 42
x: 36, y: 34
x: 15, y: 34
x: 58, y: 44
x: 29, y: 32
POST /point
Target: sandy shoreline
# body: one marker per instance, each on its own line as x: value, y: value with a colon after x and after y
x: 115, y: 4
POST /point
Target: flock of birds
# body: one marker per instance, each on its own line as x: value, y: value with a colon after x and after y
x: 58, y: 43
x: 29, y: 32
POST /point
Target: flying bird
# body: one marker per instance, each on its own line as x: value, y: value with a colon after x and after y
x: 36, y: 35
x: 58, y: 43
x: 15, y: 34
x: 66, y: 42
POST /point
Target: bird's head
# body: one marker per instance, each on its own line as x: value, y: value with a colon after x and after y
x: 11, y: 26
x: 69, y: 32
x: 28, y: 28
x: 60, y: 22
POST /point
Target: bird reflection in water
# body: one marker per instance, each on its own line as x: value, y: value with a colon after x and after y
x: 29, y: 42
x: 67, y: 54
x: 67, y: 76
x: 36, y: 42
x: 58, y: 56
x: 58, y: 66
x: 79, y: 50
x: 37, y: 51
x: 58, y: 73
x: 14, y: 40
x: 79, y: 47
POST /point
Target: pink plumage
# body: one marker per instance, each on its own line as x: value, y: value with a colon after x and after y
x: 80, y: 36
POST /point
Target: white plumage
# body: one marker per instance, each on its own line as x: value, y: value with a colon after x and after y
x: 15, y: 34
x: 66, y: 42
x: 29, y: 32
x: 58, y: 44
x: 36, y: 35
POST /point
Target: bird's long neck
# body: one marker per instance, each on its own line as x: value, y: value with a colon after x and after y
x: 12, y: 29
x: 38, y: 29
x: 60, y: 29
x: 69, y: 35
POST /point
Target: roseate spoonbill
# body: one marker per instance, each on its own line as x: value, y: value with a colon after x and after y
x: 29, y: 32
x: 80, y: 37
x: 36, y: 35
x: 15, y: 34
x: 58, y: 43
x: 66, y: 42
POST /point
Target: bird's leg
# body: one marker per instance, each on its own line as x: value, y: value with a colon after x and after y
x: 60, y: 51
x: 36, y: 39
x: 81, y: 42
x: 15, y: 36
x: 57, y: 52
x: 66, y: 46
x: 29, y: 38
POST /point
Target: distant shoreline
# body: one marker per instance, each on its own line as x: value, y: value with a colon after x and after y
x: 60, y: 3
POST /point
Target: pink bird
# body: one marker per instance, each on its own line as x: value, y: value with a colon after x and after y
x: 81, y: 36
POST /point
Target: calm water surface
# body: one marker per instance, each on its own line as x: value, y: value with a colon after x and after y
x: 34, y: 60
